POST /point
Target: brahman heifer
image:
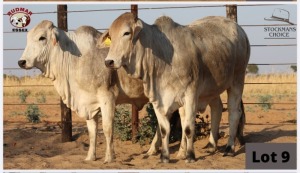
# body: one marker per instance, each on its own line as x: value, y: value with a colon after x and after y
x: 183, y: 66
x: 72, y: 60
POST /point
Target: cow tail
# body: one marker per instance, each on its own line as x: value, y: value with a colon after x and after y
x: 242, y: 121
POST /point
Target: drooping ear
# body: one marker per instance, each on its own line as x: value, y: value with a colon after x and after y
x: 55, y: 36
x: 136, y: 30
x: 104, y: 40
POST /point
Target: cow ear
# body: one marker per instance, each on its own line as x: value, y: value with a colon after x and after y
x: 55, y: 36
x: 136, y: 31
x: 104, y: 40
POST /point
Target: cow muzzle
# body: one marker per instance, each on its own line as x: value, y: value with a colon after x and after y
x: 110, y: 63
x: 22, y: 63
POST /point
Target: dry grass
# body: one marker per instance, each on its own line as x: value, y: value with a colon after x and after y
x: 280, y: 93
x: 272, y: 89
x: 12, y: 85
x: 250, y: 89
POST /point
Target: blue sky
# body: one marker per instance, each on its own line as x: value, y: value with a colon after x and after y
x: 247, y: 15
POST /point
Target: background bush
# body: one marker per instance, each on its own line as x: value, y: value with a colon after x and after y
x: 40, y: 97
x: 23, y: 94
x: 33, y: 113
x: 122, y: 124
x: 265, y: 99
x: 147, y: 126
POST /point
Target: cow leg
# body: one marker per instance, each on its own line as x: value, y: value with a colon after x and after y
x: 240, y: 130
x: 216, y: 107
x: 182, y: 150
x: 235, y: 112
x: 155, y: 144
x: 108, y: 110
x: 189, y: 125
x: 164, y: 126
x: 92, y: 125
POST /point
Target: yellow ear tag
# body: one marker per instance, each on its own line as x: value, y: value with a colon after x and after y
x: 107, y: 42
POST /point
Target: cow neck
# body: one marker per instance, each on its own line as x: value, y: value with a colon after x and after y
x: 155, y: 58
x: 62, y: 65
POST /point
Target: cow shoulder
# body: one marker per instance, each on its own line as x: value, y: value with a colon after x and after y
x: 166, y: 24
x: 86, y: 38
x: 88, y: 30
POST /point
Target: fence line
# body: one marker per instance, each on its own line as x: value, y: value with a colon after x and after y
x: 104, y: 29
x: 150, y: 8
x: 256, y: 45
x: 275, y: 64
x: 260, y: 45
x: 20, y: 104
x: 9, y: 86
x: 159, y: 8
x: 268, y: 25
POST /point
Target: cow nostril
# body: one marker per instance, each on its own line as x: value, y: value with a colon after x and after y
x: 109, y: 63
x: 22, y: 63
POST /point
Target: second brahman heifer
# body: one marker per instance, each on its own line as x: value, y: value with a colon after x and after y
x: 183, y: 66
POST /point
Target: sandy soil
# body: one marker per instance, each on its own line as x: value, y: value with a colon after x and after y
x: 38, y: 146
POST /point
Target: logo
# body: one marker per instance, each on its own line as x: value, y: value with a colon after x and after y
x: 280, y: 32
x: 19, y: 18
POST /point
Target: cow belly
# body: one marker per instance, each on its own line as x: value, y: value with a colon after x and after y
x: 85, y: 104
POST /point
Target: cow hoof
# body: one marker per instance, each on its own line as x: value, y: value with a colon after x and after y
x: 165, y: 160
x: 108, y: 160
x: 181, y: 155
x: 241, y: 140
x: 90, y: 158
x: 151, y: 152
x: 210, y: 148
x: 190, y: 158
x: 228, y: 152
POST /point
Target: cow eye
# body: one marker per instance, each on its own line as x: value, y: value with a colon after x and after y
x: 126, y: 33
x: 42, y: 38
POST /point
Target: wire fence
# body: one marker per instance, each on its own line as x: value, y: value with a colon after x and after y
x: 145, y: 8
x: 159, y: 8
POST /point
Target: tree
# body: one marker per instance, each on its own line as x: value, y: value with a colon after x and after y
x: 253, y: 68
x: 294, y: 67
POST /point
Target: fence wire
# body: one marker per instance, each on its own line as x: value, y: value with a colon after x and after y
x: 150, y: 8
x: 159, y: 8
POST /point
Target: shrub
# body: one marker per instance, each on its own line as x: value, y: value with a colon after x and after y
x: 147, y: 126
x: 23, y: 94
x: 40, y: 97
x: 122, y: 124
x: 33, y: 113
x: 265, y: 100
x: 201, y: 126
x: 253, y: 69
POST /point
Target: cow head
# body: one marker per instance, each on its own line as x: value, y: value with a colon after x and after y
x: 40, y: 39
x: 124, y: 32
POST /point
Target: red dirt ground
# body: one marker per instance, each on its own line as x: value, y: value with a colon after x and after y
x: 38, y: 146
